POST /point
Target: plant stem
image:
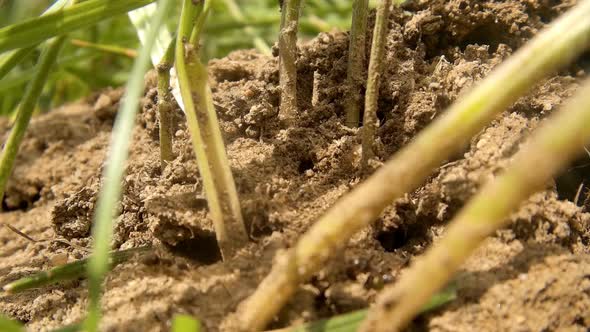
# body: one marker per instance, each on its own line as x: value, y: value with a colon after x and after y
x: 222, y: 197
x: 554, y: 47
x: 102, y: 230
x: 287, y: 60
x: 550, y: 149
x: 105, y: 48
x: 370, y: 120
x: 356, y: 61
x: 165, y: 105
x: 236, y: 13
x: 25, y: 111
x: 66, y: 272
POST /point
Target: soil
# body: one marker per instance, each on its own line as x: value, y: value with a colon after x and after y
x: 531, y: 276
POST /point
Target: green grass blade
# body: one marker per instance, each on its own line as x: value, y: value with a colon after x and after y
x: 66, y: 272
x: 119, y: 150
x: 25, y: 111
x: 8, y: 325
x: 34, y: 31
x: 10, y: 60
x: 185, y: 323
x: 13, y: 81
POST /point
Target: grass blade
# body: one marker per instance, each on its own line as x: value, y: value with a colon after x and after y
x: 551, y: 49
x: 557, y: 142
x: 25, y: 111
x: 88, y: 13
x: 220, y: 190
x: 11, y: 59
x: 119, y: 149
x: 185, y: 323
x: 66, y: 272
x: 8, y: 325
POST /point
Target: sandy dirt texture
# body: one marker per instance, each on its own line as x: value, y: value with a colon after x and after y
x: 534, y: 275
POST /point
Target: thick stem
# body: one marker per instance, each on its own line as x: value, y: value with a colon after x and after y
x: 165, y: 106
x: 556, y: 46
x: 551, y: 148
x: 287, y: 60
x: 222, y: 197
x: 25, y: 111
x: 370, y: 120
x: 356, y: 61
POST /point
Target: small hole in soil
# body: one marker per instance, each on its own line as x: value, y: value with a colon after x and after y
x: 487, y: 34
x: 568, y: 182
x: 393, y: 238
x: 202, y: 249
x: 304, y: 165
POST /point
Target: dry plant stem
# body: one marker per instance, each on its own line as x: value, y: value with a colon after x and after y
x: 287, y: 60
x: 554, y: 47
x: 370, y: 120
x: 222, y: 197
x: 165, y: 106
x: 356, y: 61
x: 551, y: 148
x: 25, y: 111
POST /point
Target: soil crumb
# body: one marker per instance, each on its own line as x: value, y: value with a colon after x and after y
x: 531, y: 276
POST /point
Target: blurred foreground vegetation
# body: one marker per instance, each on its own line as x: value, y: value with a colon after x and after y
x: 82, y: 70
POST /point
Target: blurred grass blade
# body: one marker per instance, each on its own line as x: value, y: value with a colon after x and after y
x: 36, y: 30
x: 185, y: 323
x: 350, y: 322
x: 113, y: 49
x: 25, y: 111
x: 13, y: 58
x: 113, y: 175
x: 12, y: 81
x: 8, y: 325
x: 66, y: 272
x: 140, y: 19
